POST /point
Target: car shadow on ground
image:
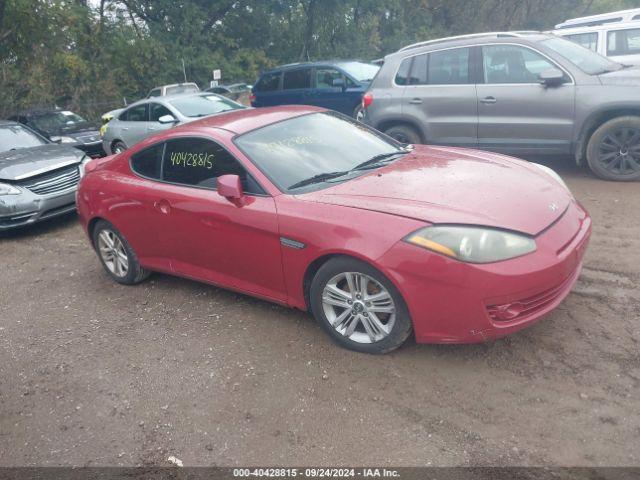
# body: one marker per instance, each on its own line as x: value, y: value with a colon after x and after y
x: 49, y: 226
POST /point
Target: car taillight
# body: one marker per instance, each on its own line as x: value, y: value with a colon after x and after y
x: 367, y: 99
x: 252, y: 97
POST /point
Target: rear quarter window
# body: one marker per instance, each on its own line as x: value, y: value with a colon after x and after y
x: 147, y: 162
x: 269, y: 82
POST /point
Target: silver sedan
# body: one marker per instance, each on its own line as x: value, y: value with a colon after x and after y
x: 149, y: 116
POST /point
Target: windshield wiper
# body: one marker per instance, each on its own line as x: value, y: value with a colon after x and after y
x: 378, y: 160
x: 321, y: 177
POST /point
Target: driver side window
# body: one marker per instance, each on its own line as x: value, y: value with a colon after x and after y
x: 199, y: 162
x: 512, y: 64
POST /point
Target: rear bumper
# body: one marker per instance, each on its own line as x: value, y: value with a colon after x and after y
x: 28, y: 208
x: 456, y: 302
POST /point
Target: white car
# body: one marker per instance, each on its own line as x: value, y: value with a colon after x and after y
x: 615, y: 35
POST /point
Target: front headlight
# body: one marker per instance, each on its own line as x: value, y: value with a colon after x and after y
x: 83, y: 164
x: 6, y: 189
x: 552, y: 173
x: 472, y: 244
x: 63, y: 140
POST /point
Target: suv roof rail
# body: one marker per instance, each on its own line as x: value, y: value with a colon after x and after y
x: 465, y: 37
x: 601, y: 19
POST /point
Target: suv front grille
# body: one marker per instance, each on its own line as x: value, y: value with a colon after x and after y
x: 53, y: 182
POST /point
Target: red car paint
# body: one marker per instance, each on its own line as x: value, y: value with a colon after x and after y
x: 235, y: 243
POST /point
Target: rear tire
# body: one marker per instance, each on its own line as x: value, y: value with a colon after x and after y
x: 359, y: 307
x: 613, y: 151
x: 116, y: 255
x: 404, y: 134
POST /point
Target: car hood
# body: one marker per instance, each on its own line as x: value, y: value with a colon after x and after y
x: 27, y: 162
x: 625, y: 77
x: 454, y: 185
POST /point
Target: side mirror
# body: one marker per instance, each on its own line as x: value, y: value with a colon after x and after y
x: 230, y: 187
x: 167, y: 119
x: 339, y: 82
x: 551, y: 77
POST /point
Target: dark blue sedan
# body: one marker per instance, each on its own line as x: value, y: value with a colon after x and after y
x: 335, y: 85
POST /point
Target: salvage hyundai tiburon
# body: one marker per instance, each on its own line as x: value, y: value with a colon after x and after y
x: 305, y: 207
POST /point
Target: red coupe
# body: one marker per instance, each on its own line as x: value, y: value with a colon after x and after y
x: 307, y: 208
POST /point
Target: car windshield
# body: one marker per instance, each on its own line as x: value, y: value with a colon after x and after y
x: 586, y: 60
x: 13, y: 137
x: 175, y: 89
x: 203, y: 105
x: 318, y: 145
x: 362, y: 72
x: 58, y: 121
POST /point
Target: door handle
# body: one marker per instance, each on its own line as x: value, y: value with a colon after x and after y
x: 163, y: 206
x: 488, y: 100
x: 125, y: 128
x: 415, y: 101
x: 151, y: 128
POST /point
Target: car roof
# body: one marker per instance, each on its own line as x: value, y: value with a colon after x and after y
x: 595, y: 28
x: 248, y: 119
x: 290, y: 66
x: 599, y: 19
x: 168, y: 98
x: 472, y: 39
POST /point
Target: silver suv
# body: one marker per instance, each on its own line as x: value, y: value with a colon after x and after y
x: 519, y: 93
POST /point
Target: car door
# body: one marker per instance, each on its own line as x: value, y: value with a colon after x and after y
x: 296, y: 86
x: 440, y: 95
x: 133, y: 124
x: 210, y: 238
x: 516, y: 114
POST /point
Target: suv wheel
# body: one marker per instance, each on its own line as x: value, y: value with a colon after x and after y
x: 118, y: 147
x: 613, y: 151
x: 403, y: 134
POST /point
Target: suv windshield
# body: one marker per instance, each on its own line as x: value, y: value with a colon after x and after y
x: 13, y: 137
x: 319, y: 145
x: 363, y: 72
x: 586, y: 60
x: 53, y: 122
x: 203, y: 105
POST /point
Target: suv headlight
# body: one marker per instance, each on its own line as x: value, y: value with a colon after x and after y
x: 552, y: 173
x: 6, y: 189
x: 83, y: 164
x: 472, y: 244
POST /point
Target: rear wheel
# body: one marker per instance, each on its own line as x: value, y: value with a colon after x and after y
x: 118, y: 147
x: 116, y: 255
x: 613, y: 152
x: 359, y: 307
x: 403, y: 134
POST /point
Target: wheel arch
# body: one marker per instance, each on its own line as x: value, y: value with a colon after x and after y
x: 594, y: 121
x: 91, y: 225
x: 318, y: 262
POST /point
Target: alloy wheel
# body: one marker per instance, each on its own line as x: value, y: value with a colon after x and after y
x: 113, y: 253
x: 358, y: 307
x: 619, y: 151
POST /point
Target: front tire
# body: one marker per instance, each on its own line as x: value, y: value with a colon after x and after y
x: 359, y: 307
x: 404, y: 134
x: 116, y: 255
x: 118, y: 147
x: 613, y: 151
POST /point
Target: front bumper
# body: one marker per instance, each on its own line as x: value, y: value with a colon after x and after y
x: 28, y: 208
x: 93, y: 149
x: 456, y: 302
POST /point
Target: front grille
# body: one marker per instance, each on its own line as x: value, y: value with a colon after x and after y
x: 528, y: 306
x: 53, y: 182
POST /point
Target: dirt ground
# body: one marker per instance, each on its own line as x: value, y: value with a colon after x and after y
x: 94, y: 373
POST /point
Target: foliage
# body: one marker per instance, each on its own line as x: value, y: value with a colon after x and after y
x: 92, y: 55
